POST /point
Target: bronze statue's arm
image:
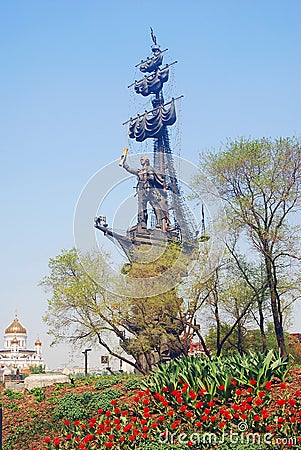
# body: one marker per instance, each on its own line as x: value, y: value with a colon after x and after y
x: 123, y: 163
x: 130, y: 170
x: 123, y: 156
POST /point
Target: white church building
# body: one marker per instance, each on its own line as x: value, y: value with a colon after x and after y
x: 15, y: 353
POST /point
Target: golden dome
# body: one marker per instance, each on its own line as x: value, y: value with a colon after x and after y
x: 15, y: 327
x: 15, y: 340
x: 38, y: 342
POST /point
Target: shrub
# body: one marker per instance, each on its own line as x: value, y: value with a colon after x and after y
x: 38, y: 393
x: 217, y: 374
x: 132, y: 383
x: 106, y: 382
x: 71, y: 407
x: 80, y: 406
x: 12, y: 395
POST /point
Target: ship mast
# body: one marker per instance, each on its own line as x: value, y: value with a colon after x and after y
x: 163, y: 191
x: 152, y: 84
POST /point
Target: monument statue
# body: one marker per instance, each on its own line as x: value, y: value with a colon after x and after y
x: 151, y: 188
x: 158, y: 188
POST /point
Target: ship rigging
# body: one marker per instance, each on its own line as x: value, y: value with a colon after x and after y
x: 157, y: 183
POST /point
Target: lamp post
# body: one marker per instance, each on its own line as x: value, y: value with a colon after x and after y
x: 85, y: 352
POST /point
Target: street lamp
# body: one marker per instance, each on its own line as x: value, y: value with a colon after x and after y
x: 85, y: 352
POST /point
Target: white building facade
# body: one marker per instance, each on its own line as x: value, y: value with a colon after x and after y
x: 15, y: 353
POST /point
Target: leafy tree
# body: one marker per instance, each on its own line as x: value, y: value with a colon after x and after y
x: 255, y: 280
x: 231, y: 302
x: 154, y: 325
x: 259, y: 181
x: 37, y: 369
x: 81, y: 310
x: 223, y: 294
x: 250, y: 338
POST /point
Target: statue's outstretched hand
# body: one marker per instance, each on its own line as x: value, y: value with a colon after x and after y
x: 123, y: 157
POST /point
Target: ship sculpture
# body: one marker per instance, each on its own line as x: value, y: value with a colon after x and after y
x: 157, y: 182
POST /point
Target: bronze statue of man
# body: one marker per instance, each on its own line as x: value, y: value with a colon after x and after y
x: 151, y: 188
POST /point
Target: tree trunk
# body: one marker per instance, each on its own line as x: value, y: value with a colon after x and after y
x: 261, y: 324
x: 218, y: 328
x: 239, y: 338
x: 202, y: 341
x: 277, y: 315
x: 136, y: 364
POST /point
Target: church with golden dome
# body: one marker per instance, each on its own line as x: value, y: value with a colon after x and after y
x: 15, y: 353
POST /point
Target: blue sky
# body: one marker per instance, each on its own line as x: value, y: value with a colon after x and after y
x: 65, y: 67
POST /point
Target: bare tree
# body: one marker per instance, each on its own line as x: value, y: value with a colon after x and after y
x: 259, y: 181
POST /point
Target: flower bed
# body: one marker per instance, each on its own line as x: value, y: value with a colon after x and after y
x: 183, y: 418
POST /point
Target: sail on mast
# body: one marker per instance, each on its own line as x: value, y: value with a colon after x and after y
x: 154, y: 124
x: 158, y: 184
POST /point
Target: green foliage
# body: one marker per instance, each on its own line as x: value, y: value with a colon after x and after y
x: 108, y: 381
x: 103, y: 400
x: 32, y: 412
x: 88, y: 380
x: 192, y: 422
x: 12, y: 395
x: 259, y: 181
x: 38, y: 393
x: 59, y: 386
x: 132, y: 383
x: 80, y: 406
x: 37, y: 369
x: 71, y: 407
x: 154, y: 322
x: 13, y: 407
x: 217, y: 374
x: 74, y: 287
x: 171, y: 253
x: 22, y: 434
x: 151, y: 323
x: 251, y: 339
